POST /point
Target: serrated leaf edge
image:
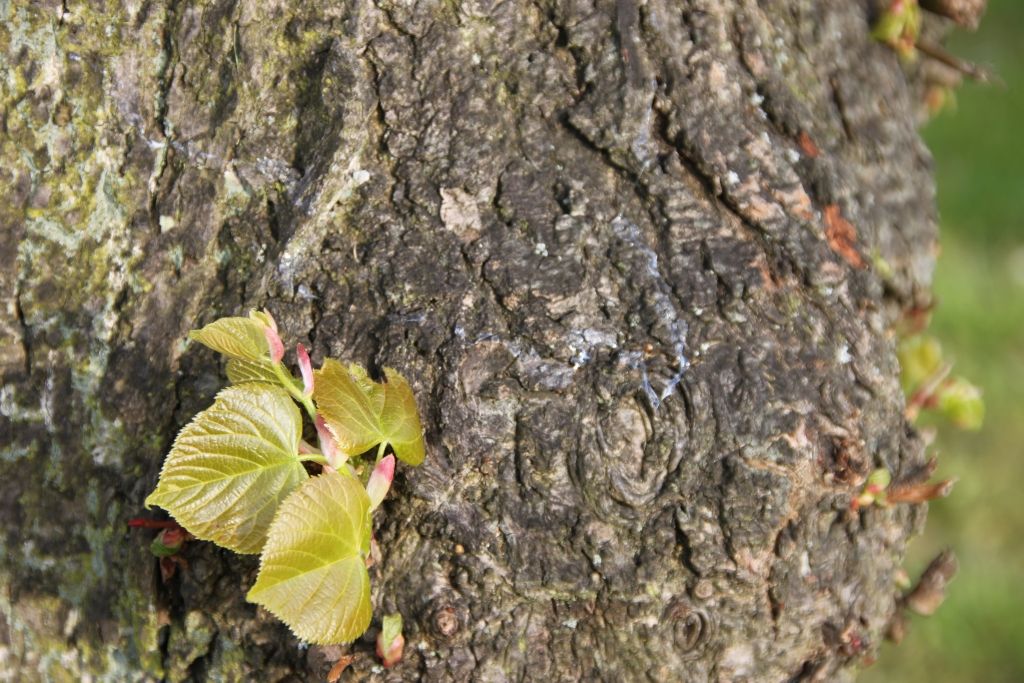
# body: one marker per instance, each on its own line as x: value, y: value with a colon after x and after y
x: 360, y: 381
x: 361, y: 553
x: 149, y: 502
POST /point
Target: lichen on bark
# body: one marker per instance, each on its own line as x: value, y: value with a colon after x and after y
x: 594, y: 237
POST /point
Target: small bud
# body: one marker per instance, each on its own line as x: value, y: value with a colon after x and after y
x: 306, y: 368
x: 930, y: 591
x: 961, y: 402
x: 896, y: 630
x: 874, y: 490
x: 390, y: 641
x: 328, y: 446
x: 898, y: 27
x: 380, y: 481
x: 168, y: 542
x: 920, y: 359
x: 902, y: 579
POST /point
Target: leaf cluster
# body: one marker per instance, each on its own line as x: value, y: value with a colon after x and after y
x: 928, y: 381
x: 235, y: 474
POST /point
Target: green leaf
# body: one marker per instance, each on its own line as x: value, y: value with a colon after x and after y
x: 961, y: 402
x: 240, y: 371
x: 920, y: 358
x: 313, y: 570
x: 241, y: 338
x: 349, y: 411
x: 374, y: 391
x: 362, y: 413
x: 232, y: 465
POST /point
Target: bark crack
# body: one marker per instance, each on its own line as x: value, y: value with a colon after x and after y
x: 26, y: 332
x: 840, y: 105
x: 165, y: 78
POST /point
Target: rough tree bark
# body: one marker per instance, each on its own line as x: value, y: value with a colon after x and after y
x: 640, y: 261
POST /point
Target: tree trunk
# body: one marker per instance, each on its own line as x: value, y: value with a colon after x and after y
x: 640, y: 261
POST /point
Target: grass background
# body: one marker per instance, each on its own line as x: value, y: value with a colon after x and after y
x: 978, y: 634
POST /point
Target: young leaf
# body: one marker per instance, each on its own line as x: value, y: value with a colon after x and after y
x: 362, y: 413
x: 242, y: 338
x: 350, y: 412
x: 374, y: 391
x: 240, y: 371
x: 231, y: 466
x: 313, y: 570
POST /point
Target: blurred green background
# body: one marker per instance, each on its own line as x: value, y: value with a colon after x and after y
x: 978, y: 634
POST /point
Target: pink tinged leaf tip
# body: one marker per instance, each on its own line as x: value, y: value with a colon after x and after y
x: 265, y: 317
x: 306, y: 368
x: 380, y: 481
x: 391, y: 654
x: 328, y: 446
x: 275, y: 343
